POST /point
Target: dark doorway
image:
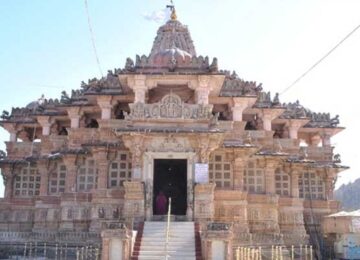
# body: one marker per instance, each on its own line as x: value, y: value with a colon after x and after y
x: 170, y: 178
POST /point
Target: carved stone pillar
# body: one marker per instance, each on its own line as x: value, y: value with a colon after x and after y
x: 100, y: 155
x: 104, y: 103
x: 135, y: 143
x: 75, y: 115
x: 11, y: 128
x: 45, y: 122
x: 238, y: 171
x: 329, y: 187
x: 116, y: 244
x: 295, y: 183
x: 44, y: 177
x: 204, y: 202
x: 240, y: 104
x: 71, y: 173
x: 140, y: 88
x: 134, y: 200
x: 203, y: 90
x: 294, y: 126
x: 267, y: 115
x: 8, y: 181
x: 326, y: 139
x: 270, y: 177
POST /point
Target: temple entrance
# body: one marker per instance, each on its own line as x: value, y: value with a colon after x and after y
x: 170, y: 177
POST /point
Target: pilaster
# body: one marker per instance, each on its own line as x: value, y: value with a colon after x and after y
x: 100, y: 156
x: 44, y: 177
x: 71, y: 172
x: 8, y: 178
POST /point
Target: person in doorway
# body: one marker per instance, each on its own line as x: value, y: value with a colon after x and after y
x: 161, y: 202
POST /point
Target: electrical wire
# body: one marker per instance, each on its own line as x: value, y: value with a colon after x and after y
x: 319, y: 61
x: 93, y: 38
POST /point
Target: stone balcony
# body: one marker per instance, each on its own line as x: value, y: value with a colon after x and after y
x: 53, y: 143
x: 85, y: 136
x: 318, y: 153
x: 19, y: 150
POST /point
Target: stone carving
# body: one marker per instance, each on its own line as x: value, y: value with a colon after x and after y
x: 101, y: 212
x: 129, y: 65
x: 65, y: 98
x: 336, y: 158
x: 236, y: 87
x: 264, y: 100
x: 322, y: 120
x: 2, y: 155
x: 170, y: 144
x: 171, y: 107
x: 116, y: 213
x: 218, y: 226
x: 294, y: 111
x: 5, y: 115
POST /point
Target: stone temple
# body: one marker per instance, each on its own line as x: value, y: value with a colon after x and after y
x: 239, y: 165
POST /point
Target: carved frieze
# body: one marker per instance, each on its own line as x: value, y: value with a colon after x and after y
x: 170, y: 107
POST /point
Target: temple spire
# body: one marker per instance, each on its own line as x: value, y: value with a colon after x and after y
x: 173, y: 15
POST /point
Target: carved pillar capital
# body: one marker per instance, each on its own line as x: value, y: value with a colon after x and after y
x: 75, y: 114
x: 46, y: 123
x: 105, y: 103
x: 294, y: 126
x: 136, y: 144
x: 206, y: 143
x: 12, y: 129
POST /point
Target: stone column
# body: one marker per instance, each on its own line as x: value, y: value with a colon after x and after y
x: 44, y: 178
x: 75, y: 115
x: 139, y: 88
x: 100, y: 155
x: 294, y: 126
x: 204, y: 202
x: 329, y: 186
x: 240, y: 104
x: 238, y: 171
x: 71, y: 173
x: 203, y: 90
x: 104, y: 103
x: 8, y: 181
x: 326, y: 139
x: 270, y: 177
x: 135, y: 143
x: 268, y: 114
x: 45, y: 122
x: 134, y: 206
x: 11, y: 128
x: 295, y: 183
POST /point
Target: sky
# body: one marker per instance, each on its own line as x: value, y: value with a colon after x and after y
x: 45, y: 47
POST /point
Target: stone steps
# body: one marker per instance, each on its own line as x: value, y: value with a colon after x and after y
x: 182, y: 244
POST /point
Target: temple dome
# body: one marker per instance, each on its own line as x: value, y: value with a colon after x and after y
x: 173, y: 37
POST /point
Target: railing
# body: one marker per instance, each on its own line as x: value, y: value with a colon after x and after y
x: 167, y: 230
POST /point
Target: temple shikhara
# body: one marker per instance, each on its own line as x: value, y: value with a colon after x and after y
x: 241, y: 168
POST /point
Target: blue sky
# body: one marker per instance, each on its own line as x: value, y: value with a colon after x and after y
x: 45, y: 48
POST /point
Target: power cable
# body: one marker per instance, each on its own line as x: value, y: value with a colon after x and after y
x: 319, y: 61
x: 92, y: 37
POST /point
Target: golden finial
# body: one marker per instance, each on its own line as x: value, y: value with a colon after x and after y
x: 173, y: 15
